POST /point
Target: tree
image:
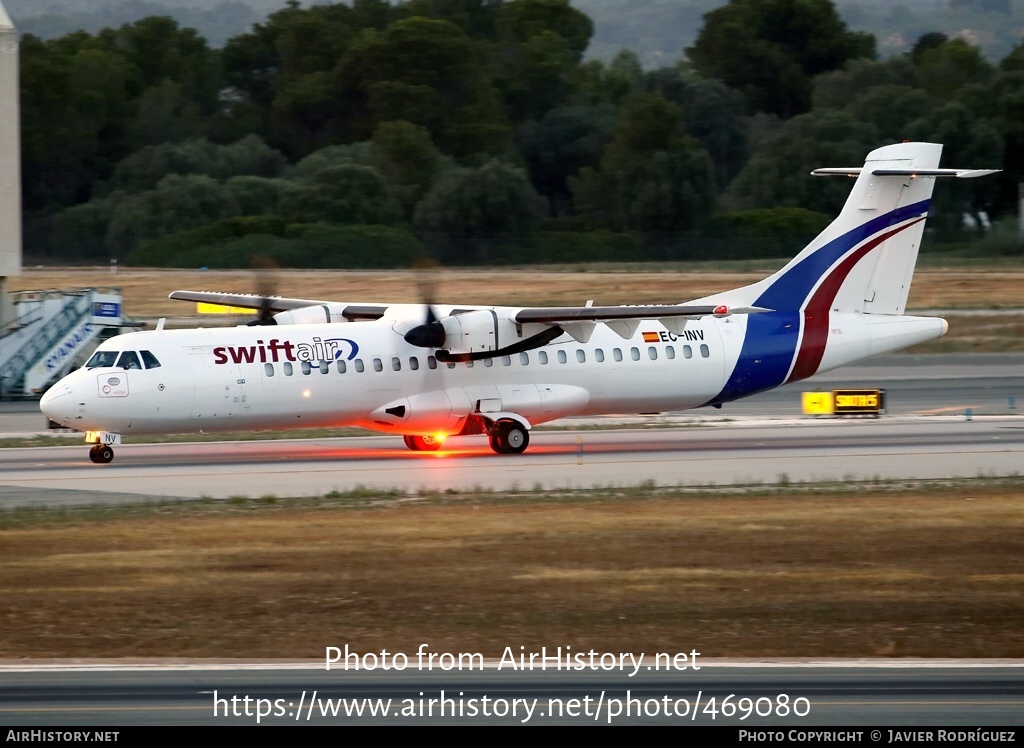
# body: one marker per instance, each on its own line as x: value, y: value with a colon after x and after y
x: 777, y: 174
x: 342, y: 194
x: 566, y: 140
x: 653, y: 179
x: 179, y: 202
x: 771, y: 49
x: 428, y: 73
x: 470, y: 215
x: 945, y: 68
x: 407, y: 159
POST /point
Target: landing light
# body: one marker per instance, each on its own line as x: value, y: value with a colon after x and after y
x: 306, y: 393
x: 439, y: 438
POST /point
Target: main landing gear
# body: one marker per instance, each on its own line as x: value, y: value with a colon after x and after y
x: 101, y: 454
x: 423, y: 443
x: 508, y: 437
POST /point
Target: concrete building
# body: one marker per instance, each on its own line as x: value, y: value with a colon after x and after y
x: 10, y: 164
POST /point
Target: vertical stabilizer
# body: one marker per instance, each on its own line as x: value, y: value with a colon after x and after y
x: 829, y: 303
x: 864, y: 260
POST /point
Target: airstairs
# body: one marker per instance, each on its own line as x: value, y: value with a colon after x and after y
x: 52, y: 333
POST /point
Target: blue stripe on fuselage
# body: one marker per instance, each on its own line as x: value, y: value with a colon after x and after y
x: 771, y: 338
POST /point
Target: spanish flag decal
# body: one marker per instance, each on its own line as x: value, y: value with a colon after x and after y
x: 651, y: 337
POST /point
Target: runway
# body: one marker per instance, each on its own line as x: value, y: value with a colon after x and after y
x: 949, y: 417
x: 783, y: 696
x: 723, y: 455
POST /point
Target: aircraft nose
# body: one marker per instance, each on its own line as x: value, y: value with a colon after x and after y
x: 58, y: 403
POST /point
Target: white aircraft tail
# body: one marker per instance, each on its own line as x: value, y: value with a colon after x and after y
x: 842, y: 298
x: 864, y: 261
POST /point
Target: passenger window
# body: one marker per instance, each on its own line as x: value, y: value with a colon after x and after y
x: 378, y: 365
x: 342, y: 366
x: 359, y: 365
x: 506, y: 360
x: 287, y: 368
x: 634, y: 353
x: 704, y: 351
x: 542, y: 356
x: 431, y: 362
x: 414, y: 363
x: 469, y: 364
x: 306, y: 367
x: 687, y: 352
x: 652, y: 352
x: 101, y: 358
x: 488, y: 362
x: 670, y: 352
x: 562, y: 358
x: 268, y: 369
x: 149, y: 360
x: 325, y: 367
x: 396, y: 363
x: 129, y: 360
x: 451, y: 364
x: 581, y: 355
x: 524, y: 358
x: 599, y: 355
x: 617, y: 354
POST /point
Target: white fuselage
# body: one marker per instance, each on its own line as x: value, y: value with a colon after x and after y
x: 365, y: 374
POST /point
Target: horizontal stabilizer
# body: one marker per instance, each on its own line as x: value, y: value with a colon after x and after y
x: 958, y: 173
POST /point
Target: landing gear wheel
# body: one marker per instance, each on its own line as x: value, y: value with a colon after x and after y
x: 423, y: 443
x: 509, y: 438
x: 495, y: 443
x: 101, y: 454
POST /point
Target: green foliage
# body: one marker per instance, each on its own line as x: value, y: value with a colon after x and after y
x: 325, y: 158
x: 771, y: 49
x: 145, y: 168
x: 945, y: 68
x: 179, y: 202
x: 234, y: 243
x: 777, y: 174
x: 653, y: 178
x: 341, y: 194
x: 404, y: 155
x: 470, y: 215
x: 580, y: 246
x: 566, y: 140
x: 760, y: 233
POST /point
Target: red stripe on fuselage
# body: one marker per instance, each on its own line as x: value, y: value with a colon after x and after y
x: 816, y: 313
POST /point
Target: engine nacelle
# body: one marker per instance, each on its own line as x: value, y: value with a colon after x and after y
x: 311, y: 315
x: 477, y: 331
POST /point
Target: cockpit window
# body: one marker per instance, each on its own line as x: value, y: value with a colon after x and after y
x: 129, y: 360
x: 149, y: 360
x: 101, y: 358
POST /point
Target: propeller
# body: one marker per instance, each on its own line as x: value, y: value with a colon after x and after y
x: 266, y: 288
x: 431, y: 333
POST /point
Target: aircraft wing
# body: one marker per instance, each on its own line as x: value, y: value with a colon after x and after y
x: 276, y: 303
x: 557, y: 314
x: 579, y: 321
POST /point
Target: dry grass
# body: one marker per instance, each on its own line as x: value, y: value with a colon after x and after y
x: 978, y: 333
x: 932, y: 574
x: 146, y: 290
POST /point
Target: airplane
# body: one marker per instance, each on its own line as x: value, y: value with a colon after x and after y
x: 426, y: 371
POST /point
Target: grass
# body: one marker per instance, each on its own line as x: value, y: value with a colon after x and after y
x: 992, y: 283
x: 926, y: 570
